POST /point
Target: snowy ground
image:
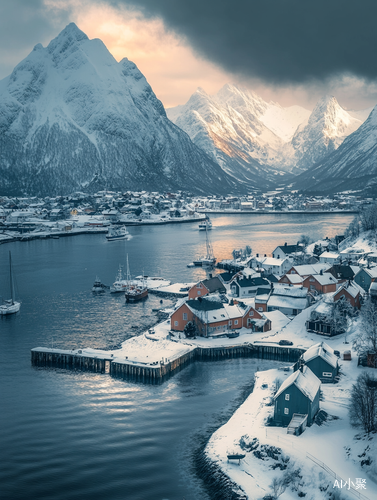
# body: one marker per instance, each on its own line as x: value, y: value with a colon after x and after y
x: 332, y: 444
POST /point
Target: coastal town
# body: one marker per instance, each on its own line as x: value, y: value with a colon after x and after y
x: 307, y: 306
x: 32, y: 218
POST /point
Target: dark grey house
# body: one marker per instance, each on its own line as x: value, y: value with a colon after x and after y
x: 299, y: 393
x: 365, y: 277
x: 321, y: 360
x: 247, y: 287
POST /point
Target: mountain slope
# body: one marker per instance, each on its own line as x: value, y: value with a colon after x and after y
x: 326, y: 128
x: 73, y: 118
x: 352, y: 166
x: 240, y: 131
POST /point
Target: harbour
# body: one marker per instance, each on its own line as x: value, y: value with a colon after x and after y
x: 103, y: 435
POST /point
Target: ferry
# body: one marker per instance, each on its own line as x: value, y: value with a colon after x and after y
x: 117, y: 233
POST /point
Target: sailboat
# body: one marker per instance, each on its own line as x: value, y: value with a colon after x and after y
x: 133, y: 291
x: 10, y: 306
x: 209, y: 259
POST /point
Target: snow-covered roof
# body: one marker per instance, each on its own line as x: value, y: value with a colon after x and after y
x: 304, y: 380
x: 294, y: 278
x: 329, y: 255
x: 307, y: 269
x: 322, y: 350
x: 289, y: 291
x: 270, y: 261
x: 287, y: 302
x: 352, y: 288
x: 325, y: 278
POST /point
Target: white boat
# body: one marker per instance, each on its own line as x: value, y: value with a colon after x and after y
x: 117, y: 233
x: 206, y: 224
x: 120, y: 283
x: 10, y: 306
x: 208, y: 260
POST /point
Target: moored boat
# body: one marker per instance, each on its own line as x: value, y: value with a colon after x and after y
x: 10, y: 306
x: 98, y: 286
x: 208, y: 260
x: 134, y: 291
x: 206, y: 224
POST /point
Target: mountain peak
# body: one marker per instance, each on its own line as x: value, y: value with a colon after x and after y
x: 69, y: 36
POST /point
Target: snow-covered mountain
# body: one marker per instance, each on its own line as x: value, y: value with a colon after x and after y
x: 323, y: 132
x: 248, y: 136
x: 73, y: 118
x: 239, y: 130
x: 352, y: 166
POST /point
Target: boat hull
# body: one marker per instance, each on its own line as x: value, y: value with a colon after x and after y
x: 134, y: 297
x: 10, y: 308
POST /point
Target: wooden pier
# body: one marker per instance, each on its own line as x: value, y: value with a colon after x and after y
x: 155, y: 373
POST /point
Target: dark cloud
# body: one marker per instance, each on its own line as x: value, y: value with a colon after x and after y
x: 278, y: 41
x: 23, y: 24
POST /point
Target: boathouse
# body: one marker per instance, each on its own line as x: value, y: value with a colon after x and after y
x: 299, y: 393
x: 205, y: 287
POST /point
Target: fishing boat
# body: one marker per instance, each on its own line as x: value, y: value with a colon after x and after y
x: 208, y: 260
x: 98, y: 286
x: 117, y: 233
x: 206, y: 224
x: 120, y: 283
x: 134, y: 291
x: 10, y: 306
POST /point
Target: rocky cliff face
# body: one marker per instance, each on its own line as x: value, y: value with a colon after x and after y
x: 73, y: 118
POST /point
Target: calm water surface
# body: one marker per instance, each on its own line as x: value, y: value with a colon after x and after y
x: 67, y: 435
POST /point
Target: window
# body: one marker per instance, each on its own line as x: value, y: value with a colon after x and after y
x: 260, y: 308
x: 311, y: 279
x: 251, y: 313
x: 230, y: 322
x: 185, y: 316
x: 236, y: 321
x: 199, y: 285
x: 287, y: 397
x: 175, y: 323
x: 327, y: 374
x: 286, y: 411
x: 199, y: 292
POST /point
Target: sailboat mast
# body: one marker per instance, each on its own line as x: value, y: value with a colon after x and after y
x: 11, y: 278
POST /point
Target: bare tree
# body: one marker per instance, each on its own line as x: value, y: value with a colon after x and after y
x: 367, y: 339
x: 363, y: 405
x: 278, y: 486
x: 338, y: 315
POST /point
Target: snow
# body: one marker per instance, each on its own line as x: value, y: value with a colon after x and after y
x: 332, y: 444
x: 304, y: 380
x: 324, y: 351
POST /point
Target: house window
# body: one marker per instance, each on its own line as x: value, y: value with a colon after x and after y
x: 199, y: 285
x: 260, y: 308
x: 185, y: 316
x: 286, y: 411
x: 236, y: 321
x: 251, y: 313
x: 287, y: 397
x: 311, y: 279
x: 230, y: 322
x: 327, y: 374
x: 175, y: 323
x: 199, y: 292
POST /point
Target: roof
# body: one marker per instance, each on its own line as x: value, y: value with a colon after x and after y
x: 307, y: 269
x: 214, y: 284
x: 288, y: 249
x: 341, y: 271
x: 329, y: 255
x: 351, y: 287
x: 226, y: 276
x: 304, y: 380
x: 294, y: 278
x: 270, y: 261
x: 372, y: 272
x: 323, y: 351
x: 289, y: 291
x: 325, y: 279
x: 272, y: 278
x: 203, y: 304
x: 248, y: 282
x: 287, y: 302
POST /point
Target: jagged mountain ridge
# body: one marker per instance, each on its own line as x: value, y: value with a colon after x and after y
x: 324, y: 131
x: 73, y: 118
x: 353, y: 166
x: 236, y: 126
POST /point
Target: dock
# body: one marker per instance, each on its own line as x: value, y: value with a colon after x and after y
x: 155, y: 372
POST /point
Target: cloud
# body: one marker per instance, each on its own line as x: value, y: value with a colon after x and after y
x: 278, y: 41
x: 23, y: 24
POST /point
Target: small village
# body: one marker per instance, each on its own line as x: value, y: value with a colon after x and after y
x: 33, y: 218
x: 311, y: 306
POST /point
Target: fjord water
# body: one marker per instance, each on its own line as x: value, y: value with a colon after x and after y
x: 69, y: 435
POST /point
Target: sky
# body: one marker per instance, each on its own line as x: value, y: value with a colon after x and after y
x: 288, y: 51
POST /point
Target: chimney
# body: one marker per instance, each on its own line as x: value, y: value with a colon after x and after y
x: 285, y: 244
x: 321, y: 272
x: 210, y: 275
